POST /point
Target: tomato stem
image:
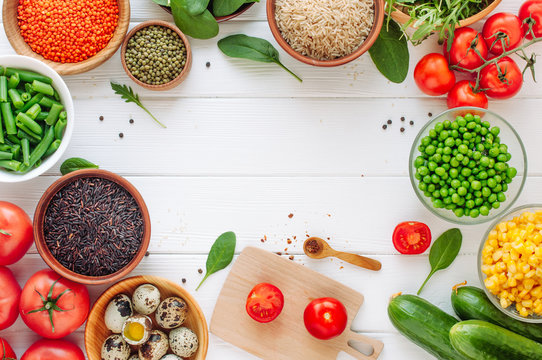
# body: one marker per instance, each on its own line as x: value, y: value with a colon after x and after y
x: 4, y: 357
x: 49, y: 304
x: 5, y: 232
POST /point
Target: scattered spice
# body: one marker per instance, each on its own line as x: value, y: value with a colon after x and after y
x: 312, y: 246
x: 291, y: 216
x: 93, y: 227
x: 101, y: 118
x: 67, y: 31
x: 389, y: 122
x: 402, y: 118
x: 289, y: 241
x: 291, y: 257
x: 155, y: 55
x: 208, y: 64
x: 411, y: 122
x: 147, y: 253
x: 262, y: 240
x: 278, y: 253
x: 121, y: 135
x: 402, y: 129
x: 430, y: 114
x: 200, y: 271
x: 384, y: 126
x: 131, y: 121
x: 184, y: 281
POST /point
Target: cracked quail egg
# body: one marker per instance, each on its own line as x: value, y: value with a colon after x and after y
x: 155, y: 347
x: 115, y: 348
x: 171, y: 357
x: 118, y: 310
x: 136, y: 329
x: 183, y: 342
x: 146, y: 299
x: 171, y: 313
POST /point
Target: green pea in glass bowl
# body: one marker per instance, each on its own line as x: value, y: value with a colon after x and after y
x: 511, y: 310
x: 468, y: 165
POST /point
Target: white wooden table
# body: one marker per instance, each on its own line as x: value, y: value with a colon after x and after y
x: 246, y: 145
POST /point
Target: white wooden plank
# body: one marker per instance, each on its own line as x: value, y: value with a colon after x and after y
x: 376, y: 287
x: 358, y: 214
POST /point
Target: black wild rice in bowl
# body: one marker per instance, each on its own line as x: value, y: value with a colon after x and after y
x: 93, y: 227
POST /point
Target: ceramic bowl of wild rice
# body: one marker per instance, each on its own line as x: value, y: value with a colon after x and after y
x: 92, y: 226
x: 325, y: 32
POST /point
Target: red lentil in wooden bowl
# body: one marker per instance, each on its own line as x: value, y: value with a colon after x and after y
x: 92, y: 226
x: 102, y: 25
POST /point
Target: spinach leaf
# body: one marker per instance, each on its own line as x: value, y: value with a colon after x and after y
x: 75, y: 163
x: 443, y: 252
x: 221, y: 254
x: 390, y: 52
x: 202, y: 26
x: 228, y: 7
x: 252, y: 48
x: 163, y: 2
x: 196, y: 7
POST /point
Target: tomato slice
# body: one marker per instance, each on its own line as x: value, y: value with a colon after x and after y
x: 265, y: 303
x: 411, y: 237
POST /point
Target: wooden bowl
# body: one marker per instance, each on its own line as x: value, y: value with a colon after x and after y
x: 173, y: 83
x: 11, y: 27
x: 403, y: 18
x: 379, y: 10
x: 220, y: 19
x: 39, y: 217
x: 96, y: 332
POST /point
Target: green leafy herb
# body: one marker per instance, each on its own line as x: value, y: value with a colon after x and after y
x: 390, y: 53
x: 128, y: 95
x: 221, y: 254
x: 228, y: 7
x: 200, y: 26
x: 196, y: 7
x: 76, y: 163
x: 443, y: 252
x: 252, y: 48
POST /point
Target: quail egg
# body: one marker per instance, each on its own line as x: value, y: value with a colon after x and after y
x: 136, y: 329
x: 183, y: 342
x: 146, y: 299
x: 115, y: 348
x: 155, y: 347
x: 171, y: 313
x: 117, y: 311
x: 171, y: 357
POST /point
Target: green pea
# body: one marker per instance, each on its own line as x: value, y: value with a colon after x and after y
x: 467, y: 136
x: 461, y: 121
x: 453, y: 171
x: 478, y: 201
x: 477, y: 155
x: 465, y: 171
x: 471, y: 125
x: 504, y: 187
x: 469, y: 117
x: 439, y: 127
x: 495, y: 130
x: 440, y: 171
x: 502, y: 158
x: 469, y: 204
x: 431, y: 187
x: 432, y: 134
x: 496, y: 205
x: 432, y: 166
x: 474, y: 213
x: 494, y: 151
x: 419, y: 161
x: 503, y: 148
x: 484, y: 210
x: 455, y: 198
x: 483, y: 131
x: 511, y: 172
x: 486, y: 192
x: 486, y: 124
x: 437, y: 203
x: 491, y: 172
x: 449, y: 142
x: 430, y: 150
x: 436, y: 194
x: 446, y: 158
x: 462, y: 191
x: 418, y: 176
x: 447, y: 150
x: 435, y: 179
x: 426, y: 140
x: 459, y: 212
x: 491, y: 182
x: 422, y: 186
x: 455, y: 183
x: 454, y: 125
x: 443, y: 135
x: 454, y: 162
x: 500, y: 166
x: 476, y: 185
x: 501, y: 197
x: 492, y: 198
x: 497, y: 188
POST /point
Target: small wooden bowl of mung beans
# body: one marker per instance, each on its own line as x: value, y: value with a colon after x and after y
x: 156, y: 55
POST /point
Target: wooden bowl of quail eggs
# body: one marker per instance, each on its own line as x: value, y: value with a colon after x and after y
x: 146, y: 318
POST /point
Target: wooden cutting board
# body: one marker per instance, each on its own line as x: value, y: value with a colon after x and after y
x: 285, y: 337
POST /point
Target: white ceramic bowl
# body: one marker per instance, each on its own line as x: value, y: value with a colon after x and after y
x: 28, y: 63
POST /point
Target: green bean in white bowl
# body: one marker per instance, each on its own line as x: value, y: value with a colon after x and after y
x: 36, y: 118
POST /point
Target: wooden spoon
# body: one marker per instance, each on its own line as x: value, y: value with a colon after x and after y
x: 317, y: 248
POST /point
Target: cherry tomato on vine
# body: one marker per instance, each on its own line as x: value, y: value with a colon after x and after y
x: 501, y: 27
x: 411, y: 237
x: 6, y: 352
x: 45, y: 349
x: 468, y: 49
x: 16, y: 234
x: 53, y: 306
x: 264, y: 303
x: 325, y: 318
x: 531, y: 9
x: 501, y: 81
x: 433, y: 76
x: 10, y: 293
x: 462, y: 94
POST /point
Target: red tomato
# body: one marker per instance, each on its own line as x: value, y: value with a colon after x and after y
x: 265, y: 302
x: 53, y: 350
x: 462, y: 52
x: 462, y: 94
x: 503, y: 26
x: 6, y: 352
x: 411, y: 237
x: 10, y: 293
x: 532, y: 11
x: 325, y: 318
x: 16, y: 234
x: 433, y: 76
x: 67, y: 295
x: 501, y: 81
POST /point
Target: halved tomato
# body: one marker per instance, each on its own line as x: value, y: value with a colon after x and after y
x: 411, y: 237
x: 265, y: 303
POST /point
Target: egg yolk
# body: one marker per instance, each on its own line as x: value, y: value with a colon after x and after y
x: 134, y: 331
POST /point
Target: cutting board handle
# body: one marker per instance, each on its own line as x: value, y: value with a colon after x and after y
x: 375, y: 344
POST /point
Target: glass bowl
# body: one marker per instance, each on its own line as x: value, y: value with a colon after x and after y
x: 511, y: 310
x: 508, y: 136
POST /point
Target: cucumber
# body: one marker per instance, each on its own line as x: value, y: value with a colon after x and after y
x: 424, y: 324
x: 472, y: 303
x: 480, y: 340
